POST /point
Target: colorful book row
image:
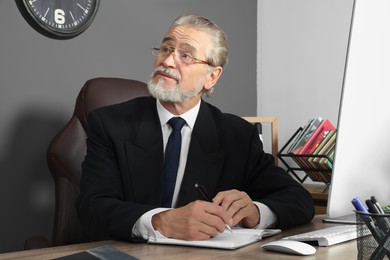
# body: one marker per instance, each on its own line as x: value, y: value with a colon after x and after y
x: 313, y: 149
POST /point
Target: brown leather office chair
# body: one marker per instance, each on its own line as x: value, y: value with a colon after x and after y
x: 67, y: 150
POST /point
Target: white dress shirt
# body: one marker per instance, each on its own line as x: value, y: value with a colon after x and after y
x: 143, y: 227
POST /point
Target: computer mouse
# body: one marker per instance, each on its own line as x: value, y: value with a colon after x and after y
x: 290, y: 247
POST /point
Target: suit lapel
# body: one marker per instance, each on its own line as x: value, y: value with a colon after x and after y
x: 205, y: 158
x: 145, y: 157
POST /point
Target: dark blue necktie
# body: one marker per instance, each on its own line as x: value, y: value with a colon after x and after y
x: 172, y: 157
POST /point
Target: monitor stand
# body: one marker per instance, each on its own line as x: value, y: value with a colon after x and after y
x: 346, y: 219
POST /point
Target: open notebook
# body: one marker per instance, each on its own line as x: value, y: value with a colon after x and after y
x: 238, y: 238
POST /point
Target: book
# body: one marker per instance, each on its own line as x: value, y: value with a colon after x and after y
x: 238, y: 238
x: 323, y: 147
x: 316, y: 137
x: 301, y: 140
x: 328, y: 163
x: 299, y: 136
x: 101, y: 252
x: 326, y: 148
x: 325, y: 164
x: 305, y: 135
x: 322, y: 176
x: 312, y: 142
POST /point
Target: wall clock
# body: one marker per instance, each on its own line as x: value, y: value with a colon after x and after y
x: 59, y: 19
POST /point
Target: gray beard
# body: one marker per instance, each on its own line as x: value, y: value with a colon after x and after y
x: 172, y: 94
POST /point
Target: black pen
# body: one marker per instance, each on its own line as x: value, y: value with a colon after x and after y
x: 380, y: 211
x: 206, y: 197
x: 372, y: 207
x: 376, y: 203
x: 379, y: 221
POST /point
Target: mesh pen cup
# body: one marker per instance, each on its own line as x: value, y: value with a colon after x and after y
x: 373, y: 235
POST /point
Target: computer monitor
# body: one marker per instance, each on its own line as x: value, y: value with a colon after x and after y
x: 362, y: 158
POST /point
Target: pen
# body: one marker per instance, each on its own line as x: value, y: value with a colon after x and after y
x: 372, y: 207
x: 386, y: 224
x: 376, y: 203
x: 202, y: 192
x: 206, y: 197
x: 379, y: 221
x: 375, y: 230
x: 358, y: 204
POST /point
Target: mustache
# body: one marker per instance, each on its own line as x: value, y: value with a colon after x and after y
x: 166, y: 71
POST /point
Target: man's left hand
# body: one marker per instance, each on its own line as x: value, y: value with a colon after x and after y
x: 240, y: 207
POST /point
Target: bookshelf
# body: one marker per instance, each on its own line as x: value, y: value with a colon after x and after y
x: 295, y: 163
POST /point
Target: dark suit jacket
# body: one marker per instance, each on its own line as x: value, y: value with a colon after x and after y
x: 123, y: 169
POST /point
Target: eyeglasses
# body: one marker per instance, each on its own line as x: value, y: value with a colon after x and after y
x: 179, y: 55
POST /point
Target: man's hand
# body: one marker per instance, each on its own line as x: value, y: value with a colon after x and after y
x: 199, y: 220
x: 239, y: 207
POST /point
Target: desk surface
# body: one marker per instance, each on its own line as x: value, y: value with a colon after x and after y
x: 346, y: 250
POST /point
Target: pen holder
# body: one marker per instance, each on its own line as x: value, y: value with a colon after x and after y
x: 373, y: 235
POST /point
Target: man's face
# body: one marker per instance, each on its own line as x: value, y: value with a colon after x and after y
x: 175, y: 81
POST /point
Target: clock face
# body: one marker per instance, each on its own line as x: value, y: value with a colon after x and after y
x: 60, y: 19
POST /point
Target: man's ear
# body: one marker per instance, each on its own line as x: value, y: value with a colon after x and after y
x: 213, y: 77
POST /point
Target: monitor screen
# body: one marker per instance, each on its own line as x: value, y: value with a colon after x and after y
x: 362, y: 158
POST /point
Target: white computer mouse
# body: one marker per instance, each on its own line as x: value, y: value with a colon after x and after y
x: 290, y: 247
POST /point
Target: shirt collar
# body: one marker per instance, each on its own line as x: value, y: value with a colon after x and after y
x: 189, y: 116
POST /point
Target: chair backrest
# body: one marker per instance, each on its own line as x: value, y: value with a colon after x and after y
x: 67, y: 150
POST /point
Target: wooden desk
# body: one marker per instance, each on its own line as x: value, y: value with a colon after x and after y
x: 342, y: 251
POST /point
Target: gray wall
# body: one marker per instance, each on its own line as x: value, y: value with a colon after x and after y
x: 300, y: 56
x: 302, y: 47
x: 40, y: 79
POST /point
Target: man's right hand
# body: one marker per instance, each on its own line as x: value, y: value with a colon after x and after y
x: 198, y: 220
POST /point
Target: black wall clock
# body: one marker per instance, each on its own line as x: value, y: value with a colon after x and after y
x: 59, y: 19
